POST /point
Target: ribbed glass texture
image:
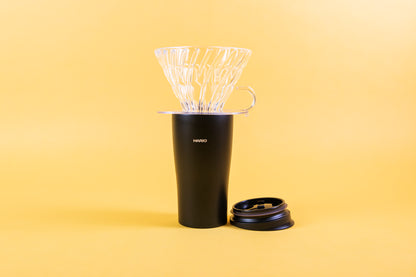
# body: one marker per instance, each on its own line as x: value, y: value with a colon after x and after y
x: 202, y: 78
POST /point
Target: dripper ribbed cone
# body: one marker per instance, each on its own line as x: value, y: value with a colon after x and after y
x: 203, y: 78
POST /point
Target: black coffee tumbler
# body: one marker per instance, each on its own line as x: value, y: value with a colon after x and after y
x: 202, y: 148
x: 202, y: 79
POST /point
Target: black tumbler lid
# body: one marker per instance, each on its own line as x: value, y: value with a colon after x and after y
x: 261, y: 214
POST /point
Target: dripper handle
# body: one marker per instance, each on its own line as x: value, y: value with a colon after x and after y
x: 252, y: 93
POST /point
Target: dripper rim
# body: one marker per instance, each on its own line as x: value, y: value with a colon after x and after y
x: 204, y: 47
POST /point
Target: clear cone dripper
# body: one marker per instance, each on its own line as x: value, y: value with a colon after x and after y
x: 203, y: 78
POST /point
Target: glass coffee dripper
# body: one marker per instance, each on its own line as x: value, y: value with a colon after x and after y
x: 203, y: 78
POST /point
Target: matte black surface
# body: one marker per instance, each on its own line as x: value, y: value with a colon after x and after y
x: 202, y: 148
x: 261, y: 214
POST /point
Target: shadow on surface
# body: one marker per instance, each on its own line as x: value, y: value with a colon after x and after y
x: 113, y: 217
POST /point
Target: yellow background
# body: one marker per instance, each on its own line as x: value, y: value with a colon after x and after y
x: 87, y: 181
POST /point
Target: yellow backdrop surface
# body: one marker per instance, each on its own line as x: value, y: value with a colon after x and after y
x: 87, y: 180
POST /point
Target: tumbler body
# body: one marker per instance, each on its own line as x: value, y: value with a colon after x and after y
x: 202, y: 149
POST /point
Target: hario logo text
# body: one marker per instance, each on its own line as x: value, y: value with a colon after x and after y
x: 200, y: 140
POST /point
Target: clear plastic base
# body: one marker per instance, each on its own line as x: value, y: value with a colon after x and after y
x: 245, y: 112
